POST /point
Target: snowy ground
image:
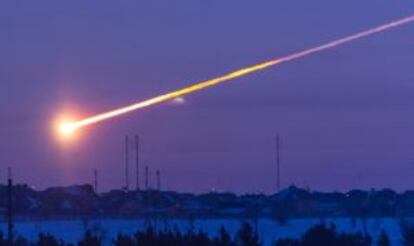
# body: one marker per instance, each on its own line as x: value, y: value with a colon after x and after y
x: 269, y: 230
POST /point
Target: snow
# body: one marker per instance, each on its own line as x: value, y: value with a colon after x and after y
x: 269, y: 230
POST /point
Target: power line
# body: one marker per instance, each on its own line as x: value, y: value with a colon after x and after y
x: 126, y: 163
x: 137, y: 161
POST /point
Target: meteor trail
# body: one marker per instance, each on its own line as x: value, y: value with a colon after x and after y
x: 66, y: 128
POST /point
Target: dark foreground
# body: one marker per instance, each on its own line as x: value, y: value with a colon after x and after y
x: 319, y: 235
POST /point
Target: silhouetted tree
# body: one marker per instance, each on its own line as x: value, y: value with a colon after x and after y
x: 322, y: 235
x: 197, y: 239
x: 246, y: 237
x: 353, y: 239
x: 319, y: 235
x: 124, y: 240
x: 407, y: 235
x: 383, y: 239
x: 3, y: 241
x: 165, y: 238
x: 146, y: 238
x: 19, y: 241
x: 89, y: 240
x: 223, y: 238
x: 172, y: 237
x: 47, y: 240
x: 288, y: 242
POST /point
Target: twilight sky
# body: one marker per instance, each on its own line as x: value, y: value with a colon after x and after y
x: 345, y: 116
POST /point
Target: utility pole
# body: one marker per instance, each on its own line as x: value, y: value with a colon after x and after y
x: 146, y: 177
x: 137, y: 161
x: 95, y: 176
x: 10, y: 208
x: 158, y: 174
x: 278, y: 163
x: 126, y: 164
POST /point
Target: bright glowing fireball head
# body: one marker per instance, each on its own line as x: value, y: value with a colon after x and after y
x: 65, y: 128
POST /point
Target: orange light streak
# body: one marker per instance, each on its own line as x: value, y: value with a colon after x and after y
x: 67, y: 128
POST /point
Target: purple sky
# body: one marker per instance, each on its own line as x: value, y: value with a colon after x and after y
x: 345, y: 116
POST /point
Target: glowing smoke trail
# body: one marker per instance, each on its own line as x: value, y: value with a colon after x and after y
x: 68, y: 127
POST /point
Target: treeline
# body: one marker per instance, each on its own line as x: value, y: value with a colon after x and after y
x: 319, y: 235
x: 81, y: 201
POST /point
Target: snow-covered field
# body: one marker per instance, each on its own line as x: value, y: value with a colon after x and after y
x: 269, y: 230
